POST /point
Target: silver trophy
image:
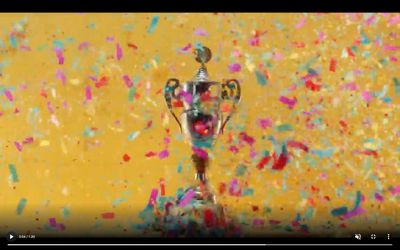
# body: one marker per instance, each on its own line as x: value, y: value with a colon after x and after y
x: 201, y: 119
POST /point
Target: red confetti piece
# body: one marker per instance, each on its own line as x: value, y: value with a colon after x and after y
x: 243, y: 136
x: 281, y: 162
x: 133, y: 46
x: 162, y: 186
x: 102, y: 82
x: 209, y: 218
x: 150, y: 154
x: 177, y: 103
x: 312, y: 86
x: 332, y: 65
x: 234, y: 149
x: 274, y: 222
x: 108, y: 215
x: 264, y: 161
x: 126, y: 157
x: 222, y: 188
x: 296, y: 144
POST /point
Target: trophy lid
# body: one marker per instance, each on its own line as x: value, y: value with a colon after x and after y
x: 203, y: 55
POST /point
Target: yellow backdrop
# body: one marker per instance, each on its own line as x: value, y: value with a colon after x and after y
x: 83, y: 119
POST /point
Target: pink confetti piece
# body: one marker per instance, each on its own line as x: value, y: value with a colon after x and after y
x: 128, y: 81
x: 200, y: 152
x: 110, y: 39
x: 88, y: 93
x: 234, y: 188
x: 277, y: 56
x: 83, y: 45
x: 200, y: 32
x: 258, y: 222
x: 234, y: 149
x: 50, y: 107
x: 370, y: 20
x: 234, y: 68
x: 60, y: 75
x: 255, y: 41
x: 264, y: 123
x: 350, y: 86
x: 186, y: 48
x: 187, y: 198
x: 394, y: 20
x: 188, y: 98
x: 27, y: 140
x: 8, y: 94
x: 18, y: 146
x: 301, y: 22
x: 153, y: 197
x: 289, y: 102
x: 379, y: 197
x: 243, y: 136
x: 355, y: 212
x: 163, y: 154
x: 25, y: 48
x: 367, y: 96
x: 52, y: 222
x: 60, y: 56
x: 391, y: 47
x: 118, y: 52
x: 395, y: 190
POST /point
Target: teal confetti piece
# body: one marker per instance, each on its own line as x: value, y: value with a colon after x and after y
x: 118, y: 201
x: 284, y: 127
x: 364, y: 39
x: 153, y: 24
x: 88, y: 133
x: 358, y: 200
x: 339, y: 211
x: 132, y: 136
x: 261, y: 78
x: 13, y: 41
x: 21, y: 205
x: 248, y: 192
x: 179, y: 168
x: 13, y: 172
x: 310, y: 161
x: 240, y: 170
x: 322, y: 153
x: 58, y: 44
x: 66, y: 212
x: 309, y: 213
x: 396, y: 86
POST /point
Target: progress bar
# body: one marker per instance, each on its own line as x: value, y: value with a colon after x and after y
x: 79, y: 244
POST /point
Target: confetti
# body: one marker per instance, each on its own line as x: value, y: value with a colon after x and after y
x: 21, y: 205
x: 153, y: 24
x: 13, y: 172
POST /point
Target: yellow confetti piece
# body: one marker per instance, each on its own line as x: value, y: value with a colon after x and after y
x: 44, y: 143
x: 75, y: 82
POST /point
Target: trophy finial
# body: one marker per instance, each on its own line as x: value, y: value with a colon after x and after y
x: 203, y: 54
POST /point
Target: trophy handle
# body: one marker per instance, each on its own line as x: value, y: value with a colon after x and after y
x: 169, y: 94
x: 230, y: 91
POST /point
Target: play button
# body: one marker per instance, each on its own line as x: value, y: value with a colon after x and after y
x: 11, y: 236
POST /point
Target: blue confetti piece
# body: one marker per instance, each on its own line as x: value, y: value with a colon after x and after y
x: 153, y: 24
x: 358, y: 200
x: 322, y: 153
x: 261, y: 78
x: 339, y: 211
x: 21, y: 206
x: 13, y: 42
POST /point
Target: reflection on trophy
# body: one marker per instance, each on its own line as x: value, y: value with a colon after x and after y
x: 201, y: 120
